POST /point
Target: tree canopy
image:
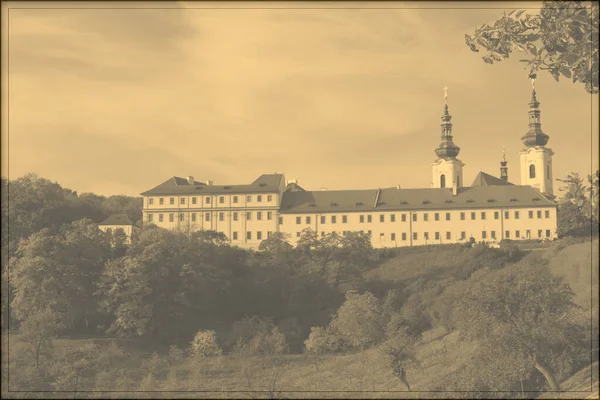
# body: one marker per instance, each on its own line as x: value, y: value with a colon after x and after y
x: 562, y: 40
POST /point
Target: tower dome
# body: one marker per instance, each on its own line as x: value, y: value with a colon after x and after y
x: 535, y: 136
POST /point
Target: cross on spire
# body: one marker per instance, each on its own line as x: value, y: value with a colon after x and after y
x: 446, y: 94
x: 503, y: 154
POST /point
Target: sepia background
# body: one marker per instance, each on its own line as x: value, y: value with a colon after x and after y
x: 338, y: 95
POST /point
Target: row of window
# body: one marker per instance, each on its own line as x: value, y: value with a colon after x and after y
x: 463, y: 235
x: 207, y: 199
x: 207, y: 216
x: 436, y: 217
x: 259, y: 235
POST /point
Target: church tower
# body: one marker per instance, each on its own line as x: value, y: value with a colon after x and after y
x: 503, y: 167
x: 536, y: 159
x: 447, y: 169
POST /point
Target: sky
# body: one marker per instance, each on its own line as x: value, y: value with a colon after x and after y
x: 336, y: 95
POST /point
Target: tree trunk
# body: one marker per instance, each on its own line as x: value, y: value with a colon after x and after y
x: 549, y: 375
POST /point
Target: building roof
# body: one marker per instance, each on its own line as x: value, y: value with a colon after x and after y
x: 117, y: 219
x: 412, y: 199
x: 483, y: 179
x: 178, y: 186
x: 294, y: 187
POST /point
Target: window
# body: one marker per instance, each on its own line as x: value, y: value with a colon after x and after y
x: 517, y: 234
x: 235, y: 236
x: 171, y: 217
x: 333, y: 219
x: 280, y: 220
x: 414, y: 217
x: 507, y: 234
x: 539, y: 233
x: 248, y: 199
x: 463, y: 235
x: 193, y: 200
x: 193, y: 217
x: 426, y: 234
x: 369, y: 233
x: 483, y: 215
x: 539, y: 214
x: 362, y: 219
x: 181, y: 217
x: 442, y: 180
x: 150, y: 217
x: 182, y: 200
x: 323, y: 219
x: 415, y: 236
x: 436, y: 216
x: 472, y: 216
x: 425, y: 217
x: 547, y: 214
x: 496, y: 215
x: 249, y: 235
x: 344, y: 219
x: 172, y: 200
x: 403, y: 235
x: 298, y: 220
x: 297, y: 234
x: 308, y: 220
x: 462, y: 216
x: 270, y: 197
x: 235, y: 216
x: 259, y: 198
x: 259, y: 235
x: 269, y: 215
x: 506, y: 215
x: 447, y: 216
x: 393, y: 217
x: 531, y: 171
x: 235, y: 199
x: 484, y: 235
x: 207, y: 200
x: 403, y: 217
x: 221, y: 199
x: 528, y: 234
x: 369, y: 218
x: 530, y: 214
x: 448, y: 236
x: 437, y: 236
x: 259, y: 216
x: 207, y: 216
x: 150, y: 201
x: 393, y: 236
x: 516, y: 215
x: 221, y: 216
x: 161, y: 201
x: 160, y: 218
x: 547, y: 233
x: 493, y: 233
x: 322, y: 234
x: 269, y: 234
x: 248, y: 216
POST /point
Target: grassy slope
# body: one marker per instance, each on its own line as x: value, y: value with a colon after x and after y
x: 440, y: 354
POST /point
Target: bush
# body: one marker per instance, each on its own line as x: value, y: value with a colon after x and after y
x: 205, y: 344
x: 155, y: 366
x: 322, y: 340
x: 256, y: 336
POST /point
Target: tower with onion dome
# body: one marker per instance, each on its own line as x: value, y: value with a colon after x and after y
x: 447, y: 169
x: 536, y: 158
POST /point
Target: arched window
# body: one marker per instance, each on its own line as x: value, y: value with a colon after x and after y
x: 457, y: 181
x: 532, y: 171
x: 443, y: 180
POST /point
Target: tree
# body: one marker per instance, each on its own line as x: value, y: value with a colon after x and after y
x: 562, y: 39
x: 359, y: 321
x: 60, y: 271
x: 37, y: 332
x: 205, y: 344
x: 527, y: 317
x: 400, y: 354
x: 578, y: 208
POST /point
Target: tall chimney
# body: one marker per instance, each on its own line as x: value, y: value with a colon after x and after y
x: 209, y: 183
x: 191, y: 180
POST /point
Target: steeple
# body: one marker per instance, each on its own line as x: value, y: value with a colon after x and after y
x: 447, y: 149
x: 534, y: 137
x: 503, y: 167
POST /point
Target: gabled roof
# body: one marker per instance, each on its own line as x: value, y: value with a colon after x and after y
x: 178, y: 186
x: 483, y: 179
x: 413, y: 199
x: 117, y: 219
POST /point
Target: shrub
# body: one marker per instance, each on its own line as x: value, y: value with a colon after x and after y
x: 155, y: 366
x: 322, y: 340
x: 205, y: 344
x: 256, y: 336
